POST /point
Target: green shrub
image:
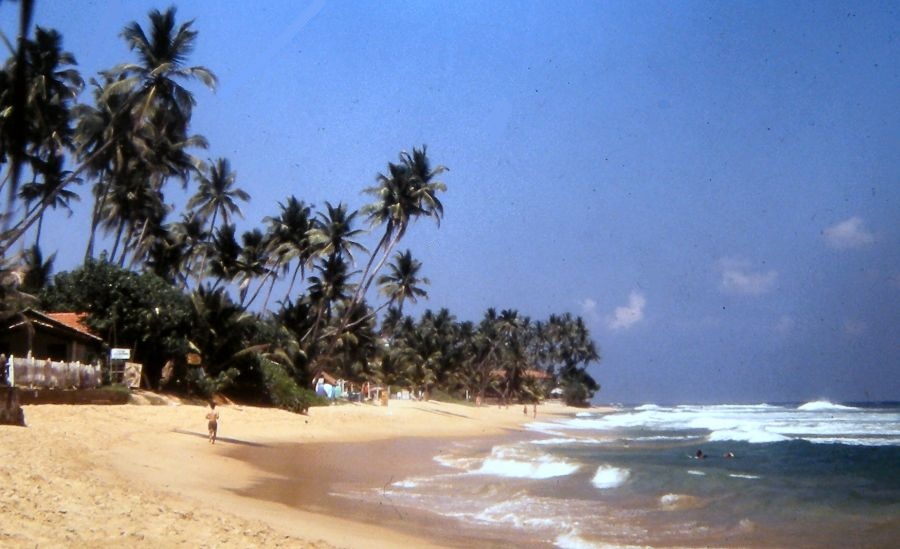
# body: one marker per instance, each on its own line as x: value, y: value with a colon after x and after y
x: 284, y: 392
x: 207, y: 386
x: 443, y: 396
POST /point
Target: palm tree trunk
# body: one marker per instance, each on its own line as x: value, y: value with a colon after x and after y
x: 14, y: 234
x: 138, y: 245
x: 37, y: 238
x: 212, y: 228
x: 364, y: 284
x: 119, y: 231
x: 297, y: 269
x: 99, y: 203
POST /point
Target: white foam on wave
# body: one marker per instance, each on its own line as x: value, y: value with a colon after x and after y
x: 454, y: 462
x: 555, y: 441
x: 670, y: 499
x: 696, y: 473
x: 868, y: 441
x: 546, y: 428
x: 746, y: 434
x: 823, y: 405
x: 516, y: 462
x: 680, y: 502
x: 660, y: 438
x: 572, y: 540
x: 756, y: 424
x: 742, y: 475
x: 522, y: 512
x: 608, y: 477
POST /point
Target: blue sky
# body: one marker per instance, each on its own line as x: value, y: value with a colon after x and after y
x: 715, y: 187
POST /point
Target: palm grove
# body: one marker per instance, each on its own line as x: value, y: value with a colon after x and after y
x: 168, y: 287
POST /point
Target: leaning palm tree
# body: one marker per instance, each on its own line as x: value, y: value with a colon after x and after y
x: 216, y: 195
x: 37, y: 90
x: 407, y: 192
x: 142, y: 115
x: 402, y: 281
x: 49, y: 192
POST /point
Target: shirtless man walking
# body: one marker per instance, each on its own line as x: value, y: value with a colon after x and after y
x: 212, y: 418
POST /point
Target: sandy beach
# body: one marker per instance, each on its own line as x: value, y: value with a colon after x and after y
x: 144, y: 474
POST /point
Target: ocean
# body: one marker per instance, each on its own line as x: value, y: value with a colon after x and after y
x: 811, y: 475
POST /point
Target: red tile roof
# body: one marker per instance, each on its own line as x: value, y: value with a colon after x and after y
x: 72, y: 320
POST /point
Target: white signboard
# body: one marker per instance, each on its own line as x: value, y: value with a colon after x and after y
x: 120, y: 354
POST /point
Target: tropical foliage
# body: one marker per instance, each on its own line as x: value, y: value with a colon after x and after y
x: 185, y: 285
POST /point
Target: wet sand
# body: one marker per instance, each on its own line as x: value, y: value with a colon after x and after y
x: 145, y: 475
x: 349, y: 480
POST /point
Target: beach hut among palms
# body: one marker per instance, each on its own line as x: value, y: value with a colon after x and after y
x: 60, y: 337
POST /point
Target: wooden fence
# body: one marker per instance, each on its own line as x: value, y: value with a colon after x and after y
x: 48, y: 374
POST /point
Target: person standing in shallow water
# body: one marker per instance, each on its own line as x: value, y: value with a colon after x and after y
x: 212, y: 421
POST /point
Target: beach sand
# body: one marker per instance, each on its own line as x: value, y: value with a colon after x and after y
x: 145, y: 475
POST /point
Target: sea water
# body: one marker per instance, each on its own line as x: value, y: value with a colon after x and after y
x: 811, y: 475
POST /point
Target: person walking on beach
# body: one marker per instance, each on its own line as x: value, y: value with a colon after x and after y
x: 212, y: 421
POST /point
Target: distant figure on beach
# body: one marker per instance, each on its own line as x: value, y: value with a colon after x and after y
x: 534, y: 409
x: 212, y: 421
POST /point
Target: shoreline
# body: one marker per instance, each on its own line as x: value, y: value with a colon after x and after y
x: 141, y: 475
x: 351, y: 480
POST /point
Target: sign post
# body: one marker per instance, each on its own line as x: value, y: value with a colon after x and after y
x: 117, y: 358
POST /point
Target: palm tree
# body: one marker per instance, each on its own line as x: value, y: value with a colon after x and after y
x: 142, y: 116
x: 53, y: 88
x: 221, y: 330
x: 252, y: 262
x: 326, y: 288
x: 290, y: 241
x: 168, y: 254
x: 37, y: 90
x: 108, y: 148
x: 37, y: 271
x: 156, y: 97
x: 226, y: 251
x: 407, y: 192
x: 333, y: 233
x: 191, y: 233
x: 572, y: 348
x: 216, y: 196
x: 50, y: 192
x: 14, y: 134
x: 402, y: 281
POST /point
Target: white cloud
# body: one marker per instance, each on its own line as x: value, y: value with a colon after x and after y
x: 847, y: 234
x: 627, y: 316
x: 738, y: 278
x: 589, y: 308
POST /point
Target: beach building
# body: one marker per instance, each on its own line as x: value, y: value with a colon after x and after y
x: 60, y: 337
